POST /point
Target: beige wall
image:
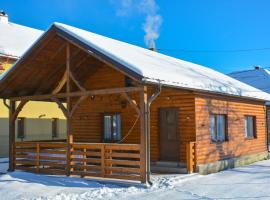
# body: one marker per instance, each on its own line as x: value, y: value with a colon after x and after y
x: 35, y: 129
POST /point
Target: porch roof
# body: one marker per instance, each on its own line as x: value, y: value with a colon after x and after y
x: 142, y: 64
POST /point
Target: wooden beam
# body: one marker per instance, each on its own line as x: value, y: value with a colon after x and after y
x: 78, y: 93
x: 68, y: 99
x: 100, y: 58
x: 60, y: 84
x: 143, y: 134
x: 132, y: 103
x: 53, y: 74
x: 61, y: 106
x: 12, y: 107
x: 82, y: 98
x: 76, y: 82
x: 35, y: 54
x: 18, y: 109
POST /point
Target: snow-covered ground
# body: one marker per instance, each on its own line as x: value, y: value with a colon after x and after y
x: 249, y: 182
x: 3, y: 165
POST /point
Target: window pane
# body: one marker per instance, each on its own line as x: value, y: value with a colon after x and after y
x: 107, y: 127
x: 249, y: 126
x: 116, y: 127
x: 213, y: 127
x: 221, y: 127
x: 246, y: 125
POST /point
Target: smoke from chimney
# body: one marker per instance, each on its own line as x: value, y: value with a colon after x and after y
x: 149, y: 9
x: 152, y: 22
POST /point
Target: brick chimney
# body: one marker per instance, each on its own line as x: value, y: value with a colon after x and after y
x: 153, y: 46
x: 257, y: 67
x: 3, y: 17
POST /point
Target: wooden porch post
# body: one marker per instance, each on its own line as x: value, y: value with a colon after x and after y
x: 143, y: 135
x: 12, y: 107
x: 69, y: 133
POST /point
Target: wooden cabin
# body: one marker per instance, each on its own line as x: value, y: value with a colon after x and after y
x: 129, y: 110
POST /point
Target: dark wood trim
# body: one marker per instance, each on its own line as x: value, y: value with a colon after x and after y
x: 78, y: 93
x: 77, y: 104
x: 61, y: 106
x: 68, y: 99
x: 12, y: 107
x: 18, y: 109
x: 132, y: 102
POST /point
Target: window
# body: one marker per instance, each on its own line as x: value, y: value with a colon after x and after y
x: 54, y: 127
x: 20, y: 128
x: 112, y: 127
x: 218, y: 128
x: 250, y: 127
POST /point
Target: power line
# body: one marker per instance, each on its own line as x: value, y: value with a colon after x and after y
x: 214, y: 51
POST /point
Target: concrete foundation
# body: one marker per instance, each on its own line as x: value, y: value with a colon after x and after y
x: 204, y: 169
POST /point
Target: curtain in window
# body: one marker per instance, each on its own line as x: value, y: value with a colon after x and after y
x: 213, y: 127
x: 220, y: 127
x: 116, y: 127
x: 107, y: 127
x: 249, y: 126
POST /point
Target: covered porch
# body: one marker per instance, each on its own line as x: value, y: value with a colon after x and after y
x: 107, y: 108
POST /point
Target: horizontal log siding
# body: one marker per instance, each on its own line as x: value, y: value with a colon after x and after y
x: 87, y: 121
x: 184, y: 101
x: 237, y: 145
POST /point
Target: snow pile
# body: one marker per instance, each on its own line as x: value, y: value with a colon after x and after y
x: 16, y: 39
x: 42, y: 187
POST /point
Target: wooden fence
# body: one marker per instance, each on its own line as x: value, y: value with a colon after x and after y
x: 119, y: 161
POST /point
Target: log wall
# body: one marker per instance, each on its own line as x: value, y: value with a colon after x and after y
x: 87, y: 121
x: 237, y: 145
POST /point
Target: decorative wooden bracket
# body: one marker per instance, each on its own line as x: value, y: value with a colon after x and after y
x: 61, y: 106
x: 60, y: 84
x: 77, y: 105
x: 76, y: 82
x: 132, y: 103
x: 18, y: 110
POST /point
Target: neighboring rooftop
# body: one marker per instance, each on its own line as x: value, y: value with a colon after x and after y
x: 15, y: 39
x: 148, y: 66
x: 258, y: 77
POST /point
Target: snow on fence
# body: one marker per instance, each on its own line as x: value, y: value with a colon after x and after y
x: 118, y: 161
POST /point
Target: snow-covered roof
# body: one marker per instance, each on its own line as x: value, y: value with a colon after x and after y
x: 154, y: 67
x: 16, y: 39
x: 258, y: 77
x: 157, y: 67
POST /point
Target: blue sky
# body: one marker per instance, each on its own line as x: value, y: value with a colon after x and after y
x: 202, y: 26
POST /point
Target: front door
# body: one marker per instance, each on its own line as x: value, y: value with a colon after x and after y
x: 169, y: 136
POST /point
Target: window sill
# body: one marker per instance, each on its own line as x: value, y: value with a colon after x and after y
x: 219, y: 142
x: 250, y: 138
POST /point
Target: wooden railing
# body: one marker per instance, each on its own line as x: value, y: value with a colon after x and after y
x: 41, y: 157
x: 191, y: 157
x: 119, y: 161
